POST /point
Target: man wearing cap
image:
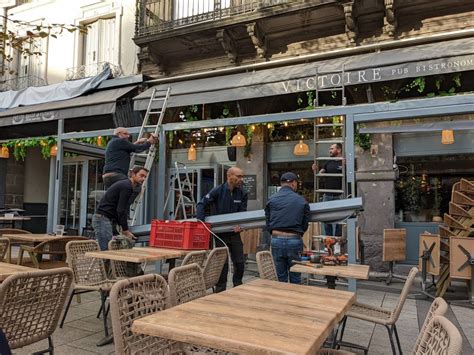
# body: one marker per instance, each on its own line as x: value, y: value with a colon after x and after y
x: 287, y: 217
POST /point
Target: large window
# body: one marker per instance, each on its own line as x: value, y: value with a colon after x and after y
x: 99, y: 42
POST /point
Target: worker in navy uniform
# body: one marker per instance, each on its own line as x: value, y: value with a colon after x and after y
x: 287, y: 218
x: 228, y: 198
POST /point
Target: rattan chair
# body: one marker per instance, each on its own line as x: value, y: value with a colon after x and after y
x: 195, y: 257
x: 214, y: 264
x: 440, y: 337
x: 380, y: 315
x: 327, y: 351
x: 133, y: 299
x: 266, y: 267
x: 186, y: 284
x: 438, y: 307
x: 89, y: 274
x: 56, y: 248
x: 31, y: 304
x: 118, y: 269
x: 4, y: 247
x: 12, y: 231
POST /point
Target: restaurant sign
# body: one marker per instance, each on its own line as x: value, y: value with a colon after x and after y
x: 34, y: 117
x: 378, y: 74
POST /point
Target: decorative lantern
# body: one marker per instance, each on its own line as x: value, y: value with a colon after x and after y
x: 301, y: 148
x: 99, y: 141
x: 54, y: 150
x: 238, y: 140
x: 4, y: 153
x: 447, y: 136
x: 192, y: 153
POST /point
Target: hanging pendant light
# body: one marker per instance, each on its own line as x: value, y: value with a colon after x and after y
x: 301, y: 148
x: 192, y: 153
x: 99, y: 141
x: 54, y: 150
x: 238, y: 140
x: 447, y: 136
x: 4, y: 153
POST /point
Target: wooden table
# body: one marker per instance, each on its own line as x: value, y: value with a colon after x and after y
x: 7, y: 269
x: 260, y: 316
x: 26, y: 238
x: 11, y: 220
x: 351, y: 271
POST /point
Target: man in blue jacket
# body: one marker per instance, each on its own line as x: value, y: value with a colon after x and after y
x: 287, y: 216
x: 228, y: 198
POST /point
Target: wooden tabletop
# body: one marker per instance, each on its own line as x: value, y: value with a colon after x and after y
x: 30, y: 238
x: 15, y: 218
x: 7, y: 269
x: 351, y: 271
x: 138, y: 255
x: 260, y: 316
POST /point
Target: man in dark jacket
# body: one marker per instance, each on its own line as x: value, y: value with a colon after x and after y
x: 228, y: 198
x: 287, y: 216
x: 117, y: 155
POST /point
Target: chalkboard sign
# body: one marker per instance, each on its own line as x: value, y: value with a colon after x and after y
x: 250, y: 185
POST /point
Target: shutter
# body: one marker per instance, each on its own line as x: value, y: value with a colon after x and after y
x: 107, y: 41
x: 91, y: 44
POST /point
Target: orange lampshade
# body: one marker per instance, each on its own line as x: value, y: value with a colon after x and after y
x: 4, y: 153
x: 447, y: 136
x: 301, y: 148
x: 54, y: 150
x: 192, y: 153
x: 99, y: 141
x: 238, y: 140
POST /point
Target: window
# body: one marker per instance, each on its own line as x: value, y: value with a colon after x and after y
x: 99, y: 43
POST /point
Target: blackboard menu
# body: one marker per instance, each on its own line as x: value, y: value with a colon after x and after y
x: 250, y: 185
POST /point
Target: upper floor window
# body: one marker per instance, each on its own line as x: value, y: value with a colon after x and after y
x: 99, y: 42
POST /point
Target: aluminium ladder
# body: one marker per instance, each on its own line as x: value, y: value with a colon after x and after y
x: 159, y: 98
x: 185, y: 190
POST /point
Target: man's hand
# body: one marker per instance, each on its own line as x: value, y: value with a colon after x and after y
x: 314, y: 167
x: 140, y: 141
x: 237, y: 229
x: 129, y: 234
x: 153, y: 139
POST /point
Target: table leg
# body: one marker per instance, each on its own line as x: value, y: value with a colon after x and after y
x: 331, y: 282
x: 171, y: 264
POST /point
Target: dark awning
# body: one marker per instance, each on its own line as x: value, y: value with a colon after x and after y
x: 414, y: 61
x: 98, y: 103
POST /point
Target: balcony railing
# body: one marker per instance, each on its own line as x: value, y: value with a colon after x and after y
x: 86, y: 71
x: 21, y: 82
x: 154, y: 16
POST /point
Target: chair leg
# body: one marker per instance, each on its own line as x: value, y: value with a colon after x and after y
x: 100, y: 311
x: 67, y: 309
x: 50, y: 348
x: 342, y: 329
x: 397, y: 338
x: 390, y: 335
x: 20, y: 256
x: 34, y: 259
x: 103, y: 299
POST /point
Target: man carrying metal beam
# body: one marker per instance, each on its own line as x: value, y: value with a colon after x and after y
x: 228, y: 198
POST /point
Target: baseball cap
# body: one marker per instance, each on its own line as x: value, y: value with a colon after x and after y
x: 287, y: 177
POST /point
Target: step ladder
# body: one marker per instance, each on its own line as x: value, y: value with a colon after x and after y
x: 156, y: 107
x: 339, y: 86
x: 185, y: 189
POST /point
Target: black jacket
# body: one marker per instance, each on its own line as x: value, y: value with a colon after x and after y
x: 221, y: 201
x: 117, y: 154
x: 115, y: 204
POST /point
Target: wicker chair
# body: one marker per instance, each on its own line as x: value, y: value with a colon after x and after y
x: 195, y: 257
x: 12, y: 231
x: 56, y: 248
x: 380, y: 315
x: 214, y: 264
x: 118, y: 269
x: 89, y: 274
x: 438, y: 307
x: 266, y: 267
x: 31, y: 304
x: 133, y: 299
x: 186, y: 284
x: 4, y: 247
x: 440, y: 337
x: 327, y: 351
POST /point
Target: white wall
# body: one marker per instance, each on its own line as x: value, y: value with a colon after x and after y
x: 65, y: 51
x: 36, y: 177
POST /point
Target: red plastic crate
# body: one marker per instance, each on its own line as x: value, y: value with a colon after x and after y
x: 179, y: 235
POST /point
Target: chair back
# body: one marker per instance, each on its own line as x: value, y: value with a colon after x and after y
x: 4, y: 246
x: 214, y: 264
x: 266, y: 267
x: 186, y: 284
x: 31, y: 304
x: 438, y: 308
x: 195, y: 257
x: 440, y: 337
x: 132, y: 299
x: 117, y: 268
x: 87, y: 271
x: 56, y: 246
x: 403, y: 296
x: 13, y: 231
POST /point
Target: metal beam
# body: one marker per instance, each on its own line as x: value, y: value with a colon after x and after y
x: 58, y: 175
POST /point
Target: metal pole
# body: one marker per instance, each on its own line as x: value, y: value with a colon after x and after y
x: 160, y: 201
x: 351, y: 249
x: 52, y: 172
x: 58, y: 175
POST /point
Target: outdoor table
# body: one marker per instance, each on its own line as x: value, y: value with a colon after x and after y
x: 11, y: 220
x: 260, y: 316
x: 27, y: 238
x: 351, y: 271
x: 7, y: 269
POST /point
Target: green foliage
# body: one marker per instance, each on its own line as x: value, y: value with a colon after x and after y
x: 248, y: 145
x: 410, y: 190
x: 363, y: 140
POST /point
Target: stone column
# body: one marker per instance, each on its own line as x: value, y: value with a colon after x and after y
x: 14, y: 183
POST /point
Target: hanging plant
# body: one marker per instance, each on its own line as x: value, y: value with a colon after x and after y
x: 363, y: 140
x: 248, y: 145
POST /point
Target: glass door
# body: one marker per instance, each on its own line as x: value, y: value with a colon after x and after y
x: 71, y: 198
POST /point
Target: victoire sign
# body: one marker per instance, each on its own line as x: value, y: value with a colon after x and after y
x: 376, y: 74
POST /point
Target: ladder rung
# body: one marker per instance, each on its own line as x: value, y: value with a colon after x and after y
x: 329, y: 190
x: 150, y: 126
x: 154, y: 112
x: 329, y: 174
x: 329, y: 158
x: 329, y: 124
x: 158, y: 98
x: 332, y: 89
x: 330, y: 141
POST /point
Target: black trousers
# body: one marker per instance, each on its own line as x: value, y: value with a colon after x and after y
x: 236, y: 249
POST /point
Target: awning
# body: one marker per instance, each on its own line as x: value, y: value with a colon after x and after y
x: 98, y: 103
x: 422, y: 60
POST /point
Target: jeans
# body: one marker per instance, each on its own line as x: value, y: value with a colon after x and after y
x: 332, y: 229
x: 284, y: 250
x: 236, y: 250
x: 103, y: 230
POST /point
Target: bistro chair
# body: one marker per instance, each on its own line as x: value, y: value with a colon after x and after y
x: 214, y: 264
x: 266, y: 267
x: 438, y: 307
x: 118, y: 269
x: 439, y: 337
x: 31, y: 305
x: 186, y: 284
x: 12, y: 231
x: 380, y: 315
x: 4, y: 247
x: 89, y: 275
x: 55, y: 248
x: 195, y: 257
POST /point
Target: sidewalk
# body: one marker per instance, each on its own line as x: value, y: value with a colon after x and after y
x: 82, y: 329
